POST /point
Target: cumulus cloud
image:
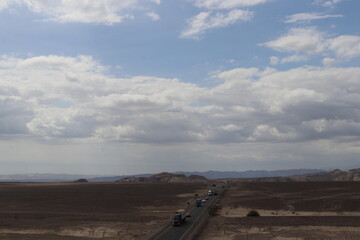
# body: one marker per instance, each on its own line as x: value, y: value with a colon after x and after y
x: 205, y: 21
x: 226, y: 4
x: 307, y: 40
x: 307, y: 17
x: 54, y: 97
x: 73, y: 98
x: 91, y: 11
x: 278, y: 106
x: 345, y: 46
x: 311, y: 41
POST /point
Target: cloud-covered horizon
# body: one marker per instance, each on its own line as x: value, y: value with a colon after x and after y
x: 55, y: 97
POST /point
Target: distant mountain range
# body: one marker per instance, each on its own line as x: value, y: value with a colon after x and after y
x: 246, y: 176
x: 252, y: 173
x: 165, y: 177
x: 43, y: 177
x: 208, y: 175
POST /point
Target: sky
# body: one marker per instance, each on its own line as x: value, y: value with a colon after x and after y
x: 144, y: 86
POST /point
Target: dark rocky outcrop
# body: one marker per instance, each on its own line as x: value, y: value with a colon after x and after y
x: 81, y: 180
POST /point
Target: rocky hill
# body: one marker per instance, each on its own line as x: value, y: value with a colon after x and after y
x: 336, y: 175
x: 80, y: 180
x: 165, y: 177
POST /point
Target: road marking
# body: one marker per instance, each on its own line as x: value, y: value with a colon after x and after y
x: 190, y: 227
x: 163, y: 232
x: 196, y: 220
x: 170, y: 227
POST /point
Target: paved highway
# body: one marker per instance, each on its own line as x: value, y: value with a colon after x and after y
x: 179, y: 232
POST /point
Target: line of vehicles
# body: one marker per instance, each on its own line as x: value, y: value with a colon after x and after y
x: 181, y: 215
x: 213, y: 192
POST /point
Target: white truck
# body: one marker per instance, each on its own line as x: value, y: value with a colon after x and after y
x: 213, y: 192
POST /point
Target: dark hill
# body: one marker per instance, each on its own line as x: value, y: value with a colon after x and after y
x: 81, y: 180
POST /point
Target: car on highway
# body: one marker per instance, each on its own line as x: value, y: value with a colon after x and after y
x: 188, y: 214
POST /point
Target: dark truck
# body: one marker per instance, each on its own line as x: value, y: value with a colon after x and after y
x: 179, y: 217
x: 198, y: 202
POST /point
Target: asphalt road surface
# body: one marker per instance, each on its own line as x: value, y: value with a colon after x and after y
x: 179, y: 232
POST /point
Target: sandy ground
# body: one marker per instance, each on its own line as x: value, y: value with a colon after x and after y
x: 242, y: 212
x: 284, y: 233
x: 85, y: 211
x: 119, y: 230
x: 287, y: 212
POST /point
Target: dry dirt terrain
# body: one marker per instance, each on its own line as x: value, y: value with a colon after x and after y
x: 83, y: 211
x: 288, y: 211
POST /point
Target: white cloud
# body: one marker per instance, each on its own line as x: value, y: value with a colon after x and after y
x: 293, y: 58
x: 345, y: 46
x: 328, y: 61
x: 215, y: 17
x: 153, y: 16
x: 327, y: 3
x: 53, y: 97
x: 90, y: 11
x: 274, y: 60
x: 156, y: 1
x: 73, y: 98
x: 298, y: 95
x: 310, y: 41
x: 307, y: 17
x: 226, y: 4
x: 307, y: 40
x: 5, y: 4
x: 265, y: 132
x: 230, y: 127
x: 205, y: 21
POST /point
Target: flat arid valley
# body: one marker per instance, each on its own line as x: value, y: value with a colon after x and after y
x: 137, y: 208
x: 89, y: 210
x: 288, y: 211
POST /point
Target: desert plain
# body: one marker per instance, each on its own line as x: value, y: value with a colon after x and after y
x: 85, y: 211
x: 132, y: 211
x: 287, y: 211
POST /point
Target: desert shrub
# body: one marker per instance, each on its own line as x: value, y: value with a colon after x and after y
x: 214, y: 210
x: 253, y: 213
